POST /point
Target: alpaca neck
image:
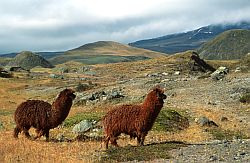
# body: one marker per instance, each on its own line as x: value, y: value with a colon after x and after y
x: 151, y: 108
x: 60, y: 110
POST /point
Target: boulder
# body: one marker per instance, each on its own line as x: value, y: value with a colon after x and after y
x: 83, y: 126
x: 220, y: 73
x: 204, y: 121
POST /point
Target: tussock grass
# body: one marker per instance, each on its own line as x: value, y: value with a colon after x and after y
x: 141, y: 153
x: 70, y: 121
x: 221, y: 134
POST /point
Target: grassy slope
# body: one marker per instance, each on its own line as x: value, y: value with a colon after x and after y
x: 105, y: 52
x: 232, y: 44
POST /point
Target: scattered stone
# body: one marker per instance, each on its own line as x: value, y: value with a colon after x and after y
x: 177, y: 73
x: 213, y: 158
x: 165, y: 74
x: 223, y: 119
x: 204, y: 121
x: 5, y: 74
x: 60, y: 137
x: 1, y: 125
x: 84, y: 86
x: 220, y: 73
x: 238, y: 69
x: 56, y: 76
x: 84, y: 69
x: 98, y: 96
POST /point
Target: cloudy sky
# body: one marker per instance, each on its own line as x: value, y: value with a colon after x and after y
x: 56, y: 25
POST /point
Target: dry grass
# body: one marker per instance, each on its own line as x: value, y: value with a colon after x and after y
x: 16, y: 90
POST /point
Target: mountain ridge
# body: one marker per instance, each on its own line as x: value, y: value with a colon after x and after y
x: 190, y: 40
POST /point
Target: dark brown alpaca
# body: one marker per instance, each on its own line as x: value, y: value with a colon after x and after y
x: 42, y: 115
x: 133, y: 120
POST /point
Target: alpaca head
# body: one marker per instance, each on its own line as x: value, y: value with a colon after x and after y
x: 155, y: 97
x: 160, y: 94
x: 68, y: 93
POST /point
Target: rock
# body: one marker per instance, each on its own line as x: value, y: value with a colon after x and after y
x: 84, y: 69
x: 60, y: 137
x: 213, y: 158
x: 220, y: 73
x: 196, y: 64
x: 5, y: 74
x: 204, y: 121
x: 91, y: 73
x: 1, y: 125
x: 165, y: 73
x: 238, y: 69
x: 84, y: 86
x: 223, y: 119
x: 97, y: 97
x: 177, y: 73
x: 56, y: 76
x: 64, y: 70
x: 83, y: 126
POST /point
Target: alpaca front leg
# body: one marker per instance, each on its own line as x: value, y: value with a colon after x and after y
x: 113, y: 141
x: 141, y: 138
x: 39, y: 133
x: 106, y: 141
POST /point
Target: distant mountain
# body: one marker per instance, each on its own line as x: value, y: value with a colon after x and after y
x: 105, y: 52
x: 190, y: 40
x: 27, y: 60
x: 231, y: 44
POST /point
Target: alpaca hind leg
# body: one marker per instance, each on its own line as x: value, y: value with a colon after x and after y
x: 47, y: 135
x: 113, y: 141
x: 106, y: 142
x: 26, y: 132
x: 17, y: 130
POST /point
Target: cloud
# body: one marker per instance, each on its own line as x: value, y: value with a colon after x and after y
x: 49, y: 25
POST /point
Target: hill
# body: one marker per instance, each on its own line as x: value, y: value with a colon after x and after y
x: 105, y: 52
x: 46, y: 55
x: 190, y: 40
x: 28, y: 60
x: 232, y: 44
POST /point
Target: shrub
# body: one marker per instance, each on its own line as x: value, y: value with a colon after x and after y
x: 245, y: 98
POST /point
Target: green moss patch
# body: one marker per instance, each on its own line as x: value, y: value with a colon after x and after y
x: 141, y: 153
x: 70, y: 121
x: 170, y: 120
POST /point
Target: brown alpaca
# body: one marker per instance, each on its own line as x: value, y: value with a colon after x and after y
x: 133, y: 120
x: 42, y: 115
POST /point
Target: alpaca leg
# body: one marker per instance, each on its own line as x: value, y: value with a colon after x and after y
x: 47, y: 135
x: 39, y: 133
x: 26, y: 132
x: 17, y: 130
x: 143, y: 138
x: 106, y: 141
x: 138, y: 140
x: 113, y: 141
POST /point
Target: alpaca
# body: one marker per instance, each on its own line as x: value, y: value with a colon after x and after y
x: 42, y: 115
x: 133, y: 120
